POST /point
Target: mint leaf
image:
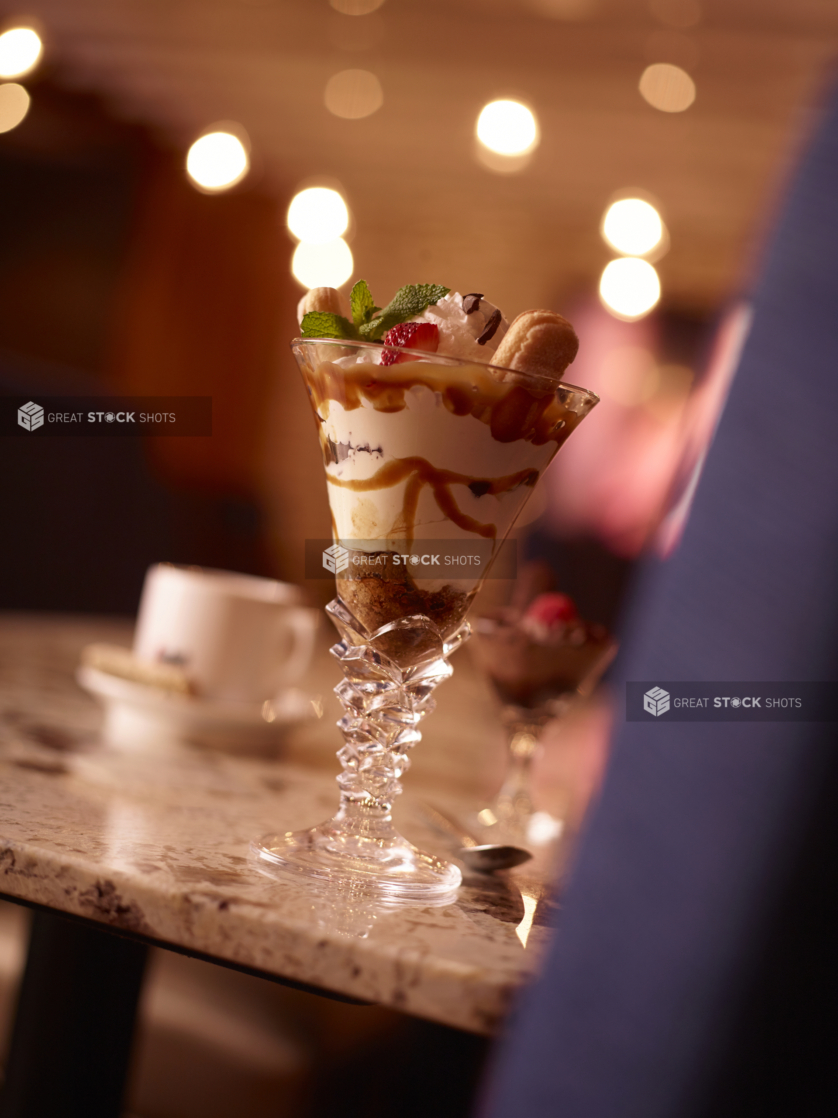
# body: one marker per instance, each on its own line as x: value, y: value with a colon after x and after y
x: 324, y: 324
x: 370, y: 322
x: 407, y: 303
x: 415, y: 298
x: 361, y: 302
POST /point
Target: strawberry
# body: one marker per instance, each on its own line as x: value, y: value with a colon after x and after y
x: 411, y: 335
x: 551, y: 610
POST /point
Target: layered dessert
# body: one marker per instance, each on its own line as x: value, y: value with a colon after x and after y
x: 539, y: 656
x: 436, y: 419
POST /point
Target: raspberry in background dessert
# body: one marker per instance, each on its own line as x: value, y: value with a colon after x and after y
x: 540, y: 654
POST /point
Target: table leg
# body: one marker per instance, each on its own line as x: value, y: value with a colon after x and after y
x: 72, y: 1037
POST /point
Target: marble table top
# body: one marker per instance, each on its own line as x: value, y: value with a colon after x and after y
x: 158, y: 844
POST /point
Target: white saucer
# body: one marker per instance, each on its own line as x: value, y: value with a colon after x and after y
x: 141, y: 717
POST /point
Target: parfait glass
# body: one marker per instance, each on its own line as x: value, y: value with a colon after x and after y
x: 424, y: 455
x: 538, y: 677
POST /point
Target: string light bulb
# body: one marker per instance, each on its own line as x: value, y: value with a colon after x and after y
x: 632, y: 226
x: 323, y: 265
x: 318, y: 215
x: 217, y: 161
x: 507, y: 128
x: 20, y: 52
x: 629, y: 288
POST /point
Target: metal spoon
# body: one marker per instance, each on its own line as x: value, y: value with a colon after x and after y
x: 479, y: 857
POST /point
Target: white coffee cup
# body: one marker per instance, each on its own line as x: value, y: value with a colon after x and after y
x: 239, y: 638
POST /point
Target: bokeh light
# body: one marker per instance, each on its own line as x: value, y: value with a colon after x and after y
x: 629, y: 288
x: 507, y: 128
x: 217, y: 161
x: 667, y: 87
x: 318, y: 215
x: 14, y: 105
x: 323, y: 265
x: 20, y: 51
x: 356, y: 7
x: 353, y: 94
x: 632, y: 226
x: 571, y: 11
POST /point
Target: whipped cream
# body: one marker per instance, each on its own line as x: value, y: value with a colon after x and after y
x: 458, y: 331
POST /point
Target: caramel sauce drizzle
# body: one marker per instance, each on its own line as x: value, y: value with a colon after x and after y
x: 418, y: 472
x: 511, y: 411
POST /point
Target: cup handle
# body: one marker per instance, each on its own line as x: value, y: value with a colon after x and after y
x: 304, y: 624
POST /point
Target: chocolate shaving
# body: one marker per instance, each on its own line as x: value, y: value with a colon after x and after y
x: 491, y: 327
x: 339, y: 452
x: 472, y: 302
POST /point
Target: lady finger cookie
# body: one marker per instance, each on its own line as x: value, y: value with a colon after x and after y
x: 320, y: 299
x: 538, y: 341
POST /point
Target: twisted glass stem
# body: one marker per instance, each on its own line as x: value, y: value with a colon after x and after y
x: 388, y: 685
x: 380, y: 726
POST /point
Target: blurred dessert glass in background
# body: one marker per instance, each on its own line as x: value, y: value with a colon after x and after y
x: 539, y: 660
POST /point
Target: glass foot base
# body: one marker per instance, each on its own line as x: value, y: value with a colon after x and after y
x: 388, y: 867
x: 528, y: 828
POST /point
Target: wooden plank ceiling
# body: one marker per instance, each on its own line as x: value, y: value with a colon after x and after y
x: 424, y: 209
